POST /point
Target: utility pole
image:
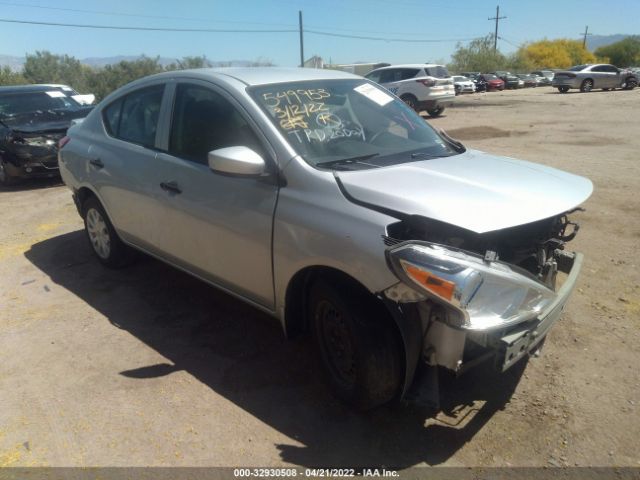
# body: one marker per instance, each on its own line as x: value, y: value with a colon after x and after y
x: 584, y: 39
x: 301, y: 39
x: 497, y: 18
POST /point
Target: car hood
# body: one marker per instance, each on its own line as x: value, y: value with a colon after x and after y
x: 473, y: 190
x: 44, y: 121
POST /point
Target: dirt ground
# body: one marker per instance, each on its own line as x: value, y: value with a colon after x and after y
x: 148, y: 366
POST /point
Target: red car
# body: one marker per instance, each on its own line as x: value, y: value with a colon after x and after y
x: 493, y: 82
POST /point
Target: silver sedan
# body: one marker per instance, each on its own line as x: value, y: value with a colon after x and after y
x: 325, y: 201
x: 587, y: 77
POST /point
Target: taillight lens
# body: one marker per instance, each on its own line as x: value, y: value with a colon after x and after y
x: 63, y: 141
x: 427, y: 82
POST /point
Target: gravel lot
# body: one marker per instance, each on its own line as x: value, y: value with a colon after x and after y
x: 147, y: 366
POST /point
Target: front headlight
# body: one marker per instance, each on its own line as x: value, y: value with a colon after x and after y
x: 485, y: 294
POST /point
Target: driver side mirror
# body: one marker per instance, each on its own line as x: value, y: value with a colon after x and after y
x: 237, y: 161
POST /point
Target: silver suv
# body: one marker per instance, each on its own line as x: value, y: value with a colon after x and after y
x: 421, y: 86
x: 321, y: 199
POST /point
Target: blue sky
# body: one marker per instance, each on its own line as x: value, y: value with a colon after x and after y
x: 410, y: 19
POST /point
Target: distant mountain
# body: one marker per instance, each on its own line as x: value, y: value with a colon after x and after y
x: 16, y: 63
x: 596, y: 41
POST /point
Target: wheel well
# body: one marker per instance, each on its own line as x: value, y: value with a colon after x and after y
x: 83, y: 194
x: 295, y: 319
x: 409, y: 95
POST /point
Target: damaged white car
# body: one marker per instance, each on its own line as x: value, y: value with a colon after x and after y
x: 322, y: 199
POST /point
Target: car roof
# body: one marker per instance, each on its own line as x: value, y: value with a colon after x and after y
x: 40, y: 87
x: 262, y: 75
x: 410, y: 65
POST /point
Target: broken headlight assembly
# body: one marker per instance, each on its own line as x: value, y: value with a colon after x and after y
x: 479, y: 294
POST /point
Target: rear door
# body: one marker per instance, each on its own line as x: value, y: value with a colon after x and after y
x: 216, y: 226
x: 400, y: 81
x: 121, y: 163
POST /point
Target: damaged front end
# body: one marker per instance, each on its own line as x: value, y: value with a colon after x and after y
x: 481, y: 296
x: 30, y: 154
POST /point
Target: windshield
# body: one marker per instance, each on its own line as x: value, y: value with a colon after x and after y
x: 490, y: 77
x: 14, y: 104
x: 329, y: 122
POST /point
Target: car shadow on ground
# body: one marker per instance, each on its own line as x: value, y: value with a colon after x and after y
x: 241, y: 354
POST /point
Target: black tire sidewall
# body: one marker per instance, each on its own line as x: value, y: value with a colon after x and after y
x: 378, y: 367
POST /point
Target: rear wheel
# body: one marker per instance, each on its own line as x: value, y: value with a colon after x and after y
x: 435, y: 112
x: 104, y: 240
x: 563, y: 89
x: 358, y: 346
x: 587, y: 85
x: 411, y: 102
x: 6, y: 179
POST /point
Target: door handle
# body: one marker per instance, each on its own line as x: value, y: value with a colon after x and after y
x: 170, y: 187
x: 96, y: 162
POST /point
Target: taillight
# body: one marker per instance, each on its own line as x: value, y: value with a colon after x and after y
x: 427, y: 82
x: 63, y: 141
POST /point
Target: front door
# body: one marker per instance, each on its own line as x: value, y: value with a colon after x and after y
x: 216, y: 226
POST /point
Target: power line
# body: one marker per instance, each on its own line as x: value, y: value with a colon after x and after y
x: 137, y: 15
x: 384, y: 39
x: 219, y: 30
x: 153, y: 29
x: 497, y: 18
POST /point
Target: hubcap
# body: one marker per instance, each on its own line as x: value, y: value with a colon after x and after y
x: 337, y: 343
x: 98, y: 233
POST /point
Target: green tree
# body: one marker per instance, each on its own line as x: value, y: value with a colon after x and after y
x: 45, y: 67
x: 189, y: 62
x: 9, y: 77
x: 104, y: 80
x: 625, y: 53
x: 477, y: 56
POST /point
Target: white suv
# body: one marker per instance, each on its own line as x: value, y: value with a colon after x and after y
x: 422, y: 86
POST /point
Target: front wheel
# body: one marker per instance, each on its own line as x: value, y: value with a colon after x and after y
x: 358, y: 346
x: 104, y: 240
x: 435, y: 112
x: 630, y: 84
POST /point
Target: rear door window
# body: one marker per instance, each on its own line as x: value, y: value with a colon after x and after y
x: 437, y: 72
x: 134, y: 118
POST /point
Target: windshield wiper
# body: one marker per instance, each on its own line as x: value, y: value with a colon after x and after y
x: 346, y: 161
x: 427, y: 155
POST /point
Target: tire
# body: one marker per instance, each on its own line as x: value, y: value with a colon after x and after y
x: 6, y: 180
x: 435, y: 112
x: 102, y: 237
x: 606, y: 89
x: 411, y: 101
x: 586, y: 86
x: 358, y: 346
x: 563, y: 89
x: 630, y: 84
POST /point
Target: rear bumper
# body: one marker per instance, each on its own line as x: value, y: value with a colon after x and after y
x: 437, y: 102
